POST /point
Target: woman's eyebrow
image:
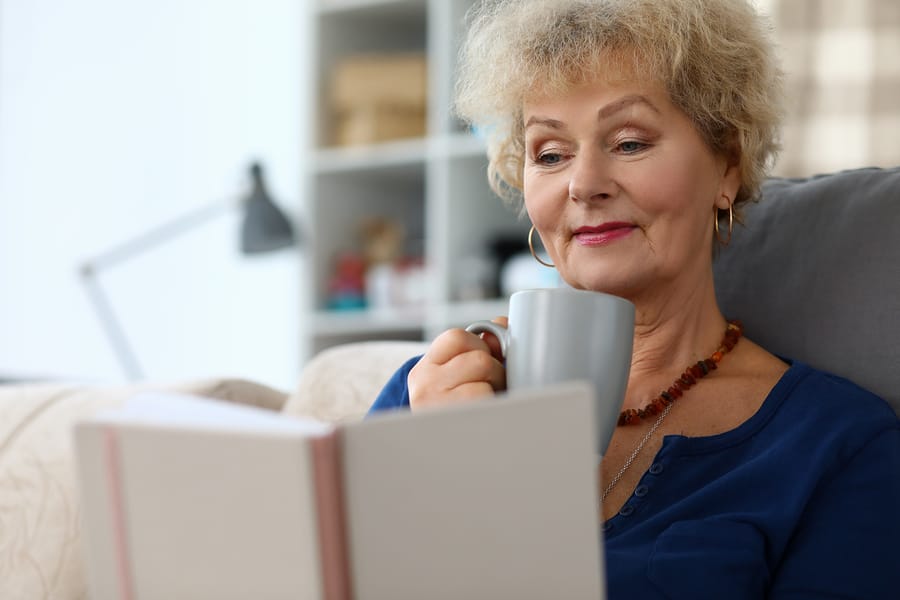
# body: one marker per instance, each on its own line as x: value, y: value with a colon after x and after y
x: 604, y: 113
x: 623, y: 103
x: 551, y: 123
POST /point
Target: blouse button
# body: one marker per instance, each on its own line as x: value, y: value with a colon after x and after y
x: 626, y: 511
x: 656, y: 469
x: 641, y: 491
x: 607, y: 526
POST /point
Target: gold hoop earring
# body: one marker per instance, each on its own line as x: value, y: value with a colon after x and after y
x: 533, y: 253
x: 727, y: 240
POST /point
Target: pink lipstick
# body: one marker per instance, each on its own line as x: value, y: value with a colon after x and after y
x: 603, y: 234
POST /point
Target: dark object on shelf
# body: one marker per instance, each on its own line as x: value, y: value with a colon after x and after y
x: 503, y: 247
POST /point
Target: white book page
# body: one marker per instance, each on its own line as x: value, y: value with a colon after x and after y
x: 493, y: 499
x: 194, y: 412
x: 186, y: 497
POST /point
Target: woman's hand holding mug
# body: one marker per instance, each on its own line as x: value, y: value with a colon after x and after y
x: 552, y: 336
x: 458, y: 367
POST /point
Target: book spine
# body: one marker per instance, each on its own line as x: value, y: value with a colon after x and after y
x: 335, y: 564
x: 114, y: 488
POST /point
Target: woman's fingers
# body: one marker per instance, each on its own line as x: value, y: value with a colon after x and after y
x: 491, y: 340
x: 459, y: 366
x: 452, y: 343
x: 474, y: 366
x: 468, y: 392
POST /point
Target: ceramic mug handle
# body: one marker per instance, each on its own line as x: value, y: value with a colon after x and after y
x: 501, y: 332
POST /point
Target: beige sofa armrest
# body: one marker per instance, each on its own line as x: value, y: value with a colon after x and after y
x: 40, y: 543
x: 340, y: 383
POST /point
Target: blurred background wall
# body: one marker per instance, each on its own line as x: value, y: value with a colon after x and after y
x: 116, y: 117
x: 842, y: 64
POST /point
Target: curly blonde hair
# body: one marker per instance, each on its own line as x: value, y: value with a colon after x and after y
x: 715, y: 58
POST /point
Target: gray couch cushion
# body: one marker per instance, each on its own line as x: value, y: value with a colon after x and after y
x: 815, y: 274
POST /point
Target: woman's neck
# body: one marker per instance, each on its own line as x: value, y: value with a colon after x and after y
x: 669, y: 336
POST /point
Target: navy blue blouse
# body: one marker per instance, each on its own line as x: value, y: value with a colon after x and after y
x: 800, y: 501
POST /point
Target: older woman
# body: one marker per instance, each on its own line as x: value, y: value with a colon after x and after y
x: 635, y: 130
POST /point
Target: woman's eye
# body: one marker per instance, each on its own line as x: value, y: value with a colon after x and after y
x: 631, y: 146
x: 549, y: 158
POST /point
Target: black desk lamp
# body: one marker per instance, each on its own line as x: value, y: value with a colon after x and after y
x: 265, y: 228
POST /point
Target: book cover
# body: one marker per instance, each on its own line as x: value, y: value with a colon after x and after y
x: 191, y: 498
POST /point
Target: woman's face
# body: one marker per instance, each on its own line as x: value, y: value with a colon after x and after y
x: 621, y: 187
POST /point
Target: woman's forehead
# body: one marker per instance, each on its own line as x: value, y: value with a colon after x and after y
x: 603, y: 90
x: 612, y: 69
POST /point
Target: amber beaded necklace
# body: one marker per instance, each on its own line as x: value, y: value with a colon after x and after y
x: 663, y: 403
x: 691, y: 375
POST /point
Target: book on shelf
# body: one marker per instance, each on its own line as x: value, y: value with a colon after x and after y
x: 186, y: 497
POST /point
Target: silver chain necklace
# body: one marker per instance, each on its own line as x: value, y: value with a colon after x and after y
x: 634, y: 454
x: 733, y: 331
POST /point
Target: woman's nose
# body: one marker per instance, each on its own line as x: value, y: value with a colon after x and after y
x: 589, y: 178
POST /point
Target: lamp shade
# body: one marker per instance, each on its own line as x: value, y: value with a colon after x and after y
x: 265, y: 227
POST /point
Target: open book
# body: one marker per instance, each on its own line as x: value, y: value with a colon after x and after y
x: 191, y: 498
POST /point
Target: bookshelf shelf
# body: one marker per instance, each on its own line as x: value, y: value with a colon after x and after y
x: 434, y: 187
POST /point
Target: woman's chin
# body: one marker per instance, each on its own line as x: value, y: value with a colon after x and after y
x: 599, y: 275
x: 617, y: 285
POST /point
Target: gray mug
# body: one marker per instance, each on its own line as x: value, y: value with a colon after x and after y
x: 563, y: 334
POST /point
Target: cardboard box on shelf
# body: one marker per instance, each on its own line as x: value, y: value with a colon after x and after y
x: 372, y: 124
x: 388, y: 79
x: 375, y: 98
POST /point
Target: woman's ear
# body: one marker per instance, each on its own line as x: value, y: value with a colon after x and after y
x: 731, y: 184
x: 731, y: 178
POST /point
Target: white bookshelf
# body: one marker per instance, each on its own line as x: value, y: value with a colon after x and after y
x: 436, y: 185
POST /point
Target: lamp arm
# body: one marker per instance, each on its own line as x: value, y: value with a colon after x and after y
x: 113, y: 327
x: 157, y: 236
